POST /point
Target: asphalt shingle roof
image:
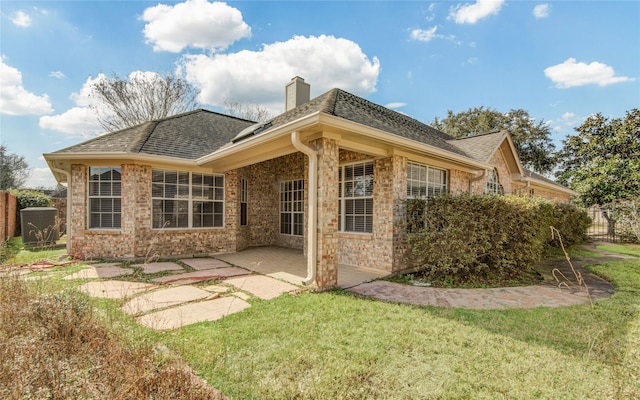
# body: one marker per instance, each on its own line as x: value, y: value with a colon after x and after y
x: 189, y: 135
x: 345, y: 105
x: 480, y: 147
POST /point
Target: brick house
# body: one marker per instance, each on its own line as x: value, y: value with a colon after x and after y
x: 328, y: 176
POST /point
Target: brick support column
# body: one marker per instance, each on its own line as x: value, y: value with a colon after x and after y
x: 327, y: 259
x: 399, y: 212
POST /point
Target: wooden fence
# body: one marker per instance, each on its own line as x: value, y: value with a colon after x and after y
x: 8, y: 213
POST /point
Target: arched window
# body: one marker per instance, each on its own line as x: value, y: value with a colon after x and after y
x: 493, y: 184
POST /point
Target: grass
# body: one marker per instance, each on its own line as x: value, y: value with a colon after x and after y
x: 54, y: 345
x: 626, y: 249
x: 15, y: 253
x: 340, y: 346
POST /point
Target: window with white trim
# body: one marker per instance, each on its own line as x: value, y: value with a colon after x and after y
x: 493, y: 185
x: 186, y: 199
x: 292, y: 207
x: 355, y: 194
x: 244, y: 189
x: 105, y: 202
x: 425, y: 181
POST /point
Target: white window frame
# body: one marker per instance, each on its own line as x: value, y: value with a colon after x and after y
x: 244, y: 202
x: 189, y: 195
x: 115, y: 186
x: 357, y: 189
x: 292, y: 207
x: 421, y: 183
x: 493, y: 185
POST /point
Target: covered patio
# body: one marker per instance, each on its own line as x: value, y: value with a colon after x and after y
x: 290, y: 265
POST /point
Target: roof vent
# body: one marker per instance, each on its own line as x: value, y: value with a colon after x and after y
x: 297, y: 92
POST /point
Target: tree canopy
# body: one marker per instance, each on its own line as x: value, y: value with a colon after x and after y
x: 144, y: 96
x: 531, y: 137
x: 14, y: 169
x: 602, y: 160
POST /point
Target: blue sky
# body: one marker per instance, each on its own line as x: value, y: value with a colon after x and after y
x: 559, y: 60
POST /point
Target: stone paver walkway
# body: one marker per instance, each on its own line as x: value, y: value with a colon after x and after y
x: 548, y: 294
x: 191, y: 313
x: 103, y: 271
x: 171, y: 301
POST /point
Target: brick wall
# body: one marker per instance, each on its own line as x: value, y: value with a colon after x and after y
x: 60, y: 203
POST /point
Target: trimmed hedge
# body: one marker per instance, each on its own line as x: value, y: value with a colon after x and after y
x: 486, y: 235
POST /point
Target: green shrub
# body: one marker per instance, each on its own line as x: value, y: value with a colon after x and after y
x: 499, y: 236
x: 31, y: 198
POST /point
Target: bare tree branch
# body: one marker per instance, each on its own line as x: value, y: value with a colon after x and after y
x: 143, y: 97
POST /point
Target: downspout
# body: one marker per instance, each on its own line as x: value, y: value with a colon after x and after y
x: 312, y: 224
x: 69, y: 197
x: 477, y: 178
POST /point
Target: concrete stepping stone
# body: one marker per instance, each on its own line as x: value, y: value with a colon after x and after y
x: 199, y: 276
x: 162, y: 298
x: 261, y: 286
x: 155, y: 267
x: 103, y: 271
x: 114, y: 289
x: 191, y: 313
x: 217, y: 289
x: 200, y: 264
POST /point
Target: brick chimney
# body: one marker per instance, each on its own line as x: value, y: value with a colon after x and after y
x: 296, y: 92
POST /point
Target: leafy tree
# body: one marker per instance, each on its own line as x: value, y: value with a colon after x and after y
x: 602, y: 161
x: 14, y: 169
x: 252, y: 113
x: 532, y: 138
x: 143, y: 97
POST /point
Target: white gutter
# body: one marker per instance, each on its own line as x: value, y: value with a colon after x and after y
x: 312, y: 224
x: 69, y: 198
x: 475, y: 179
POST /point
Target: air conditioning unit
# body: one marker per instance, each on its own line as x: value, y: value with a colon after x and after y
x: 39, y: 226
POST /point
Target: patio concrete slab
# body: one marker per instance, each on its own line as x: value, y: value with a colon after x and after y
x: 114, y: 289
x: 291, y: 265
x: 102, y: 271
x: 241, y: 295
x: 155, y: 267
x: 263, y: 287
x: 200, y: 276
x: 209, y: 310
x: 163, y: 298
x: 200, y: 264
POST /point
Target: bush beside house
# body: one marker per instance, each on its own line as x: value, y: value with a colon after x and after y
x: 486, y: 236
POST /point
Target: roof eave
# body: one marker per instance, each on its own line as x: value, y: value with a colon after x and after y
x: 552, y: 186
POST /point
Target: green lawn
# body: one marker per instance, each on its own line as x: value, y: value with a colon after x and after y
x: 627, y: 249
x: 339, y: 346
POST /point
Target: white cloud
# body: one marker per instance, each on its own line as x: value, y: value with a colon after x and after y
x: 79, y: 121
x: 15, y: 99
x: 396, y: 104
x: 41, y: 178
x: 427, y: 35
x: 571, y: 73
x: 259, y: 77
x: 57, y: 74
x: 472, y: 13
x: 75, y: 122
x: 424, y: 35
x: 541, y: 10
x: 21, y: 19
x: 194, y: 23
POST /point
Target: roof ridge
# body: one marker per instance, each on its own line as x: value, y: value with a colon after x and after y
x: 142, y: 137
